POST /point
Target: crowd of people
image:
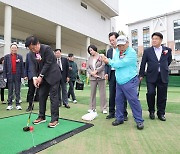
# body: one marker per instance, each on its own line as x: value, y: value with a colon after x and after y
x: 48, y: 73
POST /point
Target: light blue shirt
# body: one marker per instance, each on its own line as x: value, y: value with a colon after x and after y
x: 126, y: 66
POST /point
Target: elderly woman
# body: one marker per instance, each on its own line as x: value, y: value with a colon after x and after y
x: 95, y: 68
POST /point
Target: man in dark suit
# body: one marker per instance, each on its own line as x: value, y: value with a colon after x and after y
x: 13, y: 71
x: 64, y: 66
x: 110, y: 76
x: 29, y: 77
x: 158, y: 58
x: 46, y: 77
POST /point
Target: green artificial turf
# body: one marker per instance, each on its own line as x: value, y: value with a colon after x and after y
x: 15, y: 140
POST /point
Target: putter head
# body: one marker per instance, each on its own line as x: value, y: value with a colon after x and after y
x: 26, y: 129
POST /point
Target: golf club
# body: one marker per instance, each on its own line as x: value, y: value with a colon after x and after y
x: 139, y: 88
x: 27, y: 128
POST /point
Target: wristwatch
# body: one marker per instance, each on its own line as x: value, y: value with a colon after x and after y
x: 41, y: 75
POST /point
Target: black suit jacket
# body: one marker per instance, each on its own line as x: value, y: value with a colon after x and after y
x: 153, y: 64
x: 65, y: 66
x: 47, y: 66
x: 108, y: 67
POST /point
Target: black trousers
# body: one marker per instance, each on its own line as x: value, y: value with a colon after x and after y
x: 31, y: 92
x: 71, y: 90
x: 112, y: 95
x: 161, y: 96
x: 2, y: 94
x: 46, y: 90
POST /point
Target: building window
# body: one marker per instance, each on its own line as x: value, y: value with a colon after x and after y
x: 83, y: 5
x: 177, y: 34
x: 134, y: 36
x: 146, y: 37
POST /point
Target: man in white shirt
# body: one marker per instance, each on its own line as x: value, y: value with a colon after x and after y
x: 158, y: 58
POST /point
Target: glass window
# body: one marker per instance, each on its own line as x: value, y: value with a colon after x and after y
x: 146, y: 37
x: 134, y: 36
x: 177, y: 34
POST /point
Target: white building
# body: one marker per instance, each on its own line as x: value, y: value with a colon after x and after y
x: 168, y: 24
x: 71, y: 25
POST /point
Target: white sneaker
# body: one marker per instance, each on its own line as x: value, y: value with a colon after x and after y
x: 104, y: 111
x: 75, y: 101
x: 20, y: 101
x: 10, y: 107
x: 90, y: 116
x: 69, y: 100
x: 18, y: 107
x: 90, y: 110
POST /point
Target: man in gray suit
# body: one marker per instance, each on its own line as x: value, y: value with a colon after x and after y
x: 46, y: 76
x: 13, y: 71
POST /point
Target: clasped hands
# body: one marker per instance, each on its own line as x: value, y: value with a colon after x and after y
x: 37, y: 81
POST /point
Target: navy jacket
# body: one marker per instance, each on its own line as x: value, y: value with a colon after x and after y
x: 28, y: 64
x: 7, y: 69
x: 108, y: 67
x: 153, y: 64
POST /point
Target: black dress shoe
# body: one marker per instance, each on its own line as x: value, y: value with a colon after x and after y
x: 116, y: 122
x: 66, y: 106
x: 125, y: 118
x: 151, y: 116
x: 110, y: 116
x: 140, y: 125
x: 162, y: 118
x: 29, y: 108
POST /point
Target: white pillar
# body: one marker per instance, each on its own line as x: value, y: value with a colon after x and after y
x: 58, y: 37
x: 88, y: 42
x: 7, y: 29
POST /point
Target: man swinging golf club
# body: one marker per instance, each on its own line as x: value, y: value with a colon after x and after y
x: 46, y: 77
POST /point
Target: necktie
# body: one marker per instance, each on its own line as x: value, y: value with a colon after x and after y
x: 60, y: 64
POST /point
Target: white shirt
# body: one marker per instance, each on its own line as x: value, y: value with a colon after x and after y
x: 94, y: 63
x: 114, y: 51
x: 59, y: 63
x: 158, y: 52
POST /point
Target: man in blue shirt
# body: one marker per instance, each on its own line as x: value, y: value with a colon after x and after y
x: 125, y: 64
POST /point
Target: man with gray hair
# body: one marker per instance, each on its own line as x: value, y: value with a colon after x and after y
x: 125, y: 64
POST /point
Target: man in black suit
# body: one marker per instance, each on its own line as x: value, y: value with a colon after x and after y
x: 46, y: 76
x: 110, y: 76
x: 158, y: 58
x: 64, y: 66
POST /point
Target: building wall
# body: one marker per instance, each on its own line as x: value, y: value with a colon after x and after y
x: 113, y: 4
x: 163, y: 24
x: 70, y: 14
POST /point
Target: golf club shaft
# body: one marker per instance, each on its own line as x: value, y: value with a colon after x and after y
x: 32, y: 107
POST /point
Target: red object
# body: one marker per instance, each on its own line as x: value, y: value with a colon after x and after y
x: 31, y: 128
x: 13, y: 61
x: 83, y: 64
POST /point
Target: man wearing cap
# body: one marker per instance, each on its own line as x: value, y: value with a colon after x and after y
x: 110, y: 76
x: 125, y: 64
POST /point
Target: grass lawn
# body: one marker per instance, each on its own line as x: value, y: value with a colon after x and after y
x: 103, y: 138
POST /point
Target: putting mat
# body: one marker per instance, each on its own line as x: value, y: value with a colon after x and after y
x: 14, y: 140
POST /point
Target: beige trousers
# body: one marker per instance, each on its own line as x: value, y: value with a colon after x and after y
x: 102, y: 92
